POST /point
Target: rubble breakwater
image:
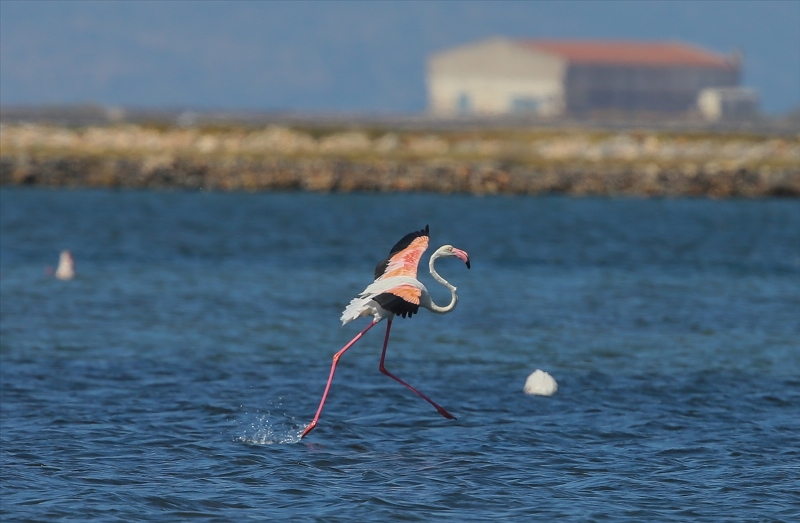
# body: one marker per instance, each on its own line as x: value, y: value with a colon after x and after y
x: 575, y: 162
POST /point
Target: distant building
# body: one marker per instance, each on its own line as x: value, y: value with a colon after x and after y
x: 549, y: 77
x: 727, y: 103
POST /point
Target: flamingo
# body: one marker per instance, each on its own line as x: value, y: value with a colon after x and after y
x: 396, y: 291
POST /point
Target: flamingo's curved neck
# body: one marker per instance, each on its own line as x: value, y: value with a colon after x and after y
x: 453, y: 296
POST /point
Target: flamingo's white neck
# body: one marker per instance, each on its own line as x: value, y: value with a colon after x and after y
x: 445, y: 250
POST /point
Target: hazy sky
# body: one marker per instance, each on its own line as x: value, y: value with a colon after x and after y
x: 340, y: 56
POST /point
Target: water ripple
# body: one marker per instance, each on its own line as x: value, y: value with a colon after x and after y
x: 171, y: 380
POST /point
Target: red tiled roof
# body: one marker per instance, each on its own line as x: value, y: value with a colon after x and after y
x: 630, y: 53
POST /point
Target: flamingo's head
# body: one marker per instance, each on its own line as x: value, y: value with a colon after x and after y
x: 449, y: 250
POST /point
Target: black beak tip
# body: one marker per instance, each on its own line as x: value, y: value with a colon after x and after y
x: 467, y: 263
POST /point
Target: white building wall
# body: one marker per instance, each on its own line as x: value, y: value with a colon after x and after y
x: 495, y: 77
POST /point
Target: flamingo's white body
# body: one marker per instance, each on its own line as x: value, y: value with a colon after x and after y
x: 365, y: 305
x: 396, y: 291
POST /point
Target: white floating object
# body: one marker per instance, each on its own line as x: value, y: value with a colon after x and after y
x: 541, y: 384
x: 66, y: 266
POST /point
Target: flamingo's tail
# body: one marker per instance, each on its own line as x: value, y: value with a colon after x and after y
x: 358, y: 308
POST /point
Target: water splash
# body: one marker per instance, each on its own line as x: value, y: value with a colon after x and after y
x: 268, y: 428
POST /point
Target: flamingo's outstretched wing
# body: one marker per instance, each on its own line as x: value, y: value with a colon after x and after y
x: 404, y: 256
x: 402, y: 300
x: 400, y: 295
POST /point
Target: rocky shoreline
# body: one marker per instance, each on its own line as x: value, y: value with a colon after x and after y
x: 277, y: 158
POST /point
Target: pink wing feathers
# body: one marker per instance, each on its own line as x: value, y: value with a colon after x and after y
x: 402, y: 299
x: 404, y: 257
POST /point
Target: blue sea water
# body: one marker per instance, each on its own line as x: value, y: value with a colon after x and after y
x: 171, y: 378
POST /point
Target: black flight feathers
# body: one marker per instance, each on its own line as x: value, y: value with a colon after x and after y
x: 404, y: 242
x: 396, y: 304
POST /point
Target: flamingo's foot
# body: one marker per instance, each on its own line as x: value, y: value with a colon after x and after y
x: 309, y: 428
x: 444, y: 413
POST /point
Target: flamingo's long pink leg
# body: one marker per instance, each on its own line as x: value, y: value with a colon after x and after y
x: 336, y: 357
x: 383, y: 369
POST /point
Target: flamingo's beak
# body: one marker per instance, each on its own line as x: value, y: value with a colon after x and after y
x: 462, y: 255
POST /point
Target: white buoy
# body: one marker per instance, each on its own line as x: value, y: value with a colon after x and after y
x: 66, y: 266
x: 541, y: 384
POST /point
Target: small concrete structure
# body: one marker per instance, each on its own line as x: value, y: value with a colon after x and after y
x: 550, y: 77
x: 727, y: 103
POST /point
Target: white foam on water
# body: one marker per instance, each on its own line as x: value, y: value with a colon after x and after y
x: 540, y: 383
x: 268, y: 429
